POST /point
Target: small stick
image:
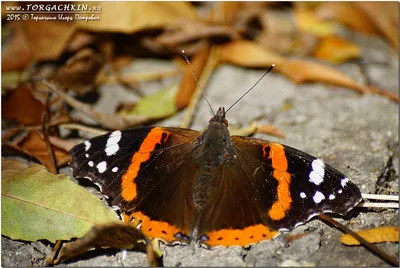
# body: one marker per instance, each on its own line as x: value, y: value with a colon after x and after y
x: 83, y: 128
x: 378, y: 205
x: 390, y: 259
x: 381, y: 197
x: 45, y: 130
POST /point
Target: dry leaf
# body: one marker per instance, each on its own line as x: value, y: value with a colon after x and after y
x: 16, y: 53
x: 270, y: 130
x: 347, y: 13
x: 374, y: 235
x: 130, y: 17
x: 385, y: 18
x: 80, y: 71
x: 36, y: 146
x: 308, y: 22
x: 21, y: 106
x: 249, y: 54
x: 112, y: 235
x: 190, y: 30
x: 47, y: 39
x: 335, y: 49
x: 188, y: 83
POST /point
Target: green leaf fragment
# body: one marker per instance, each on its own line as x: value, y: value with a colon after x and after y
x: 158, y: 105
x: 38, y: 205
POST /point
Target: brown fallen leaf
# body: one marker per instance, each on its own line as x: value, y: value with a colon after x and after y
x: 335, y: 49
x: 346, y: 13
x: 188, y: 83
x: 385, y: 18
x: 80, y: 71
x: 270, y: 130
x: 191, y: 30
x: 136, y: 16
x: 16, y: 53
x: 120, y: 236
x: 254, y: 127
x: 20, y: 105
x: 35, y: 145
x: 47, y: 39
x: 250, y: 54
x: 374, y: 235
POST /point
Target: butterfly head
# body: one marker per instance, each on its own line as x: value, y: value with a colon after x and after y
x: 219, y: 118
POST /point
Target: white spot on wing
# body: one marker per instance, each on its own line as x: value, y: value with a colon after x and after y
x: 87, y: 145
x: 331, y: 196
x: 102, y: 166
x: 303, y: 195
x: 340, y: 191
x: 115, y: 169
x: 318, y: 172
x: 87, y: 155
x: 90, y: 163
x: 112, y: 143
x: 318, y: 197
x: 344, y: 181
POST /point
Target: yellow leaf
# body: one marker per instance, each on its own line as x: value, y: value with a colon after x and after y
x: 308, y: 22
x: 248, y: 54
x: 336, y: 49
x: 375, y: 235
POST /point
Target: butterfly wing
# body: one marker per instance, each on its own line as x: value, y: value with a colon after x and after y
x: 146, y: 172
x: 269, y: 186
x: 305, y: 185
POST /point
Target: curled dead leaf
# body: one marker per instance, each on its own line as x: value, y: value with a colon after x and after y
x: 111, y: 235
x: 374, y: 235
x: 80, y: 71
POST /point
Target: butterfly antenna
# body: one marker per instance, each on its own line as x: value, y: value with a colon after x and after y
x: 197, y: 81
x: 269, y: 69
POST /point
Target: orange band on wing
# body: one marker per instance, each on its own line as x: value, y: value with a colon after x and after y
x: 235, y: 237
x: 153, y: 229
x: 148, y: 145
x: 280, y: 165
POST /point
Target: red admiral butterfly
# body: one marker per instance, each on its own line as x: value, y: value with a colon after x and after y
x: 181, y: 185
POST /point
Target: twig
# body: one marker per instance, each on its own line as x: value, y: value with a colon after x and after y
x: 378, y: 205
x: 390, y: 259
x: 111, y: 121
x: 45, y: 130
x: 138, y: 77
x: 77, y: 126
x: 380, y: 197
